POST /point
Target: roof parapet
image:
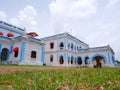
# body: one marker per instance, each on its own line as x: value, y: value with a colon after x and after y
x: 11, y: 26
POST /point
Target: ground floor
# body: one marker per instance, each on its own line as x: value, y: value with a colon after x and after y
x: 22, y: 51
x: 18, y: 55
x: 22, y: 54
x: 93, y: 58
x: 95, y: 61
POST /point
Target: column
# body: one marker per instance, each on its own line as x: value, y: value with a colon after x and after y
x: 91, y: 62
x: 22, y: 51
x: 83, y: 61
x: 42, y: 54
x: 108, y: 58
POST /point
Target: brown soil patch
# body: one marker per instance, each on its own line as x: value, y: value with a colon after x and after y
x: 10, y: 69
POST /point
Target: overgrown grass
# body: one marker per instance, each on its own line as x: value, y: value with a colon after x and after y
x: 70, y: 78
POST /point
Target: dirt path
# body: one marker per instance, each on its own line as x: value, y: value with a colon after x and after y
x: 10, y: 69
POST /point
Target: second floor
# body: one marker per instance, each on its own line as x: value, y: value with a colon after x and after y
x: 63, y: 41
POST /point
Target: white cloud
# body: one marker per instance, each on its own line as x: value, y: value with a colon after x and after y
x: 72, y: 8
x: 88, y: 21
x: 112, y: 2
x: 3, y: 16
x: 26, y: 18
x: 63, y: 10
x: 28, y: 12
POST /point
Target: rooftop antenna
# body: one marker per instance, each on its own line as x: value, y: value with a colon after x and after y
x: 70, y: 31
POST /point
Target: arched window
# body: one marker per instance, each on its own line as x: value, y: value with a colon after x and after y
x: 61, y: 45
x: 79, y: 60
x: 71, y: 46
x: 72, y: 60
x: 75, y: 48
x: 16, y: 54
x: 33, y: 54
x: 51, y: 45
x: 86, y: 60
x: 98, y: 61
x: 80, y: 47
x: 16, y: 50
x: 1, y: 33
x: 61, y: 60
x: 4, y: 54
x: 68, y: 45
x: 51, y: 58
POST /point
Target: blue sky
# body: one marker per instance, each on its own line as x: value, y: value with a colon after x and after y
x: 96, y: 22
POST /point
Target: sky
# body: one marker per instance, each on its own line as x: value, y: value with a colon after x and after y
x: 95, y: 22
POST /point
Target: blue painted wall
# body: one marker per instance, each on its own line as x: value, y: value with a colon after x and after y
x: 22, y: 51
x: 108, y: 57
x: 113, y: 59
x: 105, y: 59
x: 11, y: 48
x: 42, y: 56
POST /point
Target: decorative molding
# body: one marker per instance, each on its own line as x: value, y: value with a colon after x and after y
x: 42, y: 54
x: 105, y: 59
x: 22, y: 51
x: 11, y: 26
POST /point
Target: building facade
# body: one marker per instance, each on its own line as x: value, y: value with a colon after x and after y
x: 19, y: 47
x: 16, y: 47
x: 66, y: 50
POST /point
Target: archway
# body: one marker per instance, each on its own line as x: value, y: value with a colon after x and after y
x: 79, y: 61
x: 98, y: 61
x: 4, y: 54
x: 86, y: 60
x: 71, y: 59
x: 61, y: 45
x: 61, y: 60
x: 113, y: 60
x: 16, y: 50
x: 51, y: 58
x: 71, y: 46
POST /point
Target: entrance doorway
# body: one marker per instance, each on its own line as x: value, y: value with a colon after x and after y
x: 98, y: 61
x: 4, y: 54
x: 86, y: 60
x: 61, y: 60
x: 79, y: 61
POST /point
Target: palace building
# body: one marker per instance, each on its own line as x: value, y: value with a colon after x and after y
x: 19, y: 47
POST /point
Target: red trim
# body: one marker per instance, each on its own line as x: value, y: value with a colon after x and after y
x: 1, y: 33
x: 10, y: 35
x: 16, y: 49
x: 33, y: 34
x: 51, y: 42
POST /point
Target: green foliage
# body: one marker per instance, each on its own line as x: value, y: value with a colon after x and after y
x: 71, y: 78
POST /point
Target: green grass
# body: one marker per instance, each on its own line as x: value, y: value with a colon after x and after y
x: 72, y: 78
x: 8, y: 64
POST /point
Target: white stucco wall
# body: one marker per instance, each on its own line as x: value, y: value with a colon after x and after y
x: 32, y: 46
x: 8, y: 28
x: 24, y: 55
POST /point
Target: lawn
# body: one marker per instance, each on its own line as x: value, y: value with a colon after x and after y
x: 58, y: 78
